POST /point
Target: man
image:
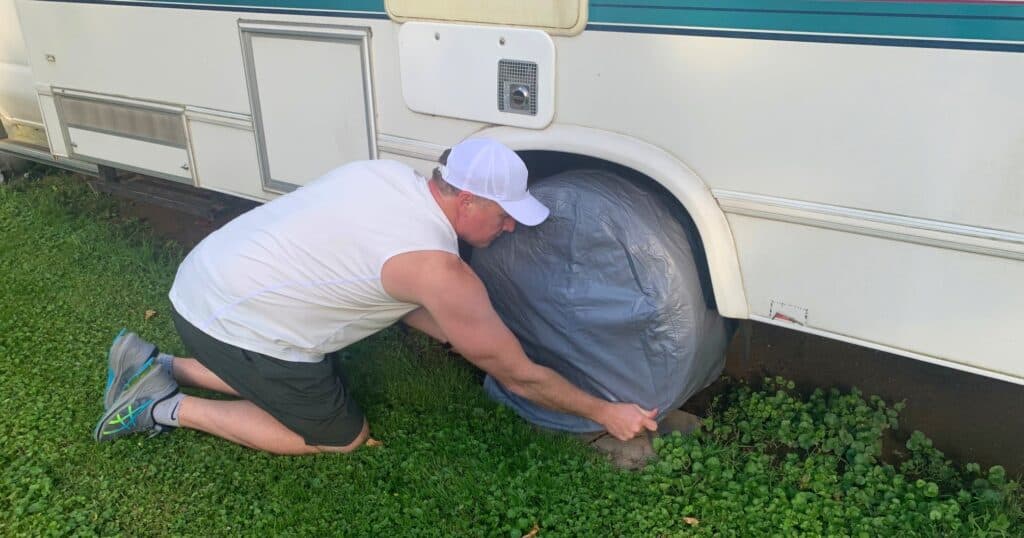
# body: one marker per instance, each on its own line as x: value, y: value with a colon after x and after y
x: 261, y: 301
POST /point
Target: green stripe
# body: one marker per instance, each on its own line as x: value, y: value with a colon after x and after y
x: 995, y: 22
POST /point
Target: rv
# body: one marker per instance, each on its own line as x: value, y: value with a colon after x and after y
x: 855, y: 169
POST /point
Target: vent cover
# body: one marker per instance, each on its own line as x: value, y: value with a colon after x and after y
x: 125, y: 120
x: 517, y: 87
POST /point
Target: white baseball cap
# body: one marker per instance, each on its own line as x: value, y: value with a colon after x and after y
x: 489, y: 169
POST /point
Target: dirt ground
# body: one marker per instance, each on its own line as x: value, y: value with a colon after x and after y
x: 969, y: 417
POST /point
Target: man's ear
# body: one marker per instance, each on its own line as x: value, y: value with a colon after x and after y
x: 466, y: 198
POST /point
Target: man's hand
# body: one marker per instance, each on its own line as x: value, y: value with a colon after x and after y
x: 625, y: 420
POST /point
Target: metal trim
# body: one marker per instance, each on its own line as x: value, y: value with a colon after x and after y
x: 295, y: 28
x: 408, y: 147
x: 219, y: 117
x: 25, y: 152
x: 973, y: 239
x: 186, y: 129
x: 151, y: 106
x: 302, y: 32
x: 62, y: 124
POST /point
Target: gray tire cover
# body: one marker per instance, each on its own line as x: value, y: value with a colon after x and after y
x: 606, y: 293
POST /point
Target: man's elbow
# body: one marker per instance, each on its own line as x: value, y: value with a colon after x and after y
x: 519, y: 389
x: 421, y: 320
x: 521, y: 382
x: 504, y: 361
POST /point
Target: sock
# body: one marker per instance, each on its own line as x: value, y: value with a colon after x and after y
x: 167, y: 361
x: 166, y: 411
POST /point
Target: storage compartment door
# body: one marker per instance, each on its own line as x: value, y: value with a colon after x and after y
x: 129, y: 134
x: 311, y: 99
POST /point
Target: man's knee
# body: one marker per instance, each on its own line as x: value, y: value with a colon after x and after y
x: 364, y: 434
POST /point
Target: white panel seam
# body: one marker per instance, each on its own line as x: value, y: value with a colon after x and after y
x: 417, y: 149
x: 929, y: 232
x: 218, y: 117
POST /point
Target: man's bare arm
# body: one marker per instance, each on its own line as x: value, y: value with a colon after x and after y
x: 457, y: 301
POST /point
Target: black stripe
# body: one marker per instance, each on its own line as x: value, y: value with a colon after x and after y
x: 810, y: 38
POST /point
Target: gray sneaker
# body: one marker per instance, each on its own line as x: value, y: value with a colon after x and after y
x: 133, y: 410
x: 129, y: 355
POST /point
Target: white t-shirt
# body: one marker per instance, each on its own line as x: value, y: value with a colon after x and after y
x: 299, y: 276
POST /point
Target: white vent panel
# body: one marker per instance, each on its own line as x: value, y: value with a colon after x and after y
x: 451, y: 70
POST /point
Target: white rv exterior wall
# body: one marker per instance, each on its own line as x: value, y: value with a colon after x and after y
x: 17, y: 98
x: 928, y: 133
x: 874, y: 190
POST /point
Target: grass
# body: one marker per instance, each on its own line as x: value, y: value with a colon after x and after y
x: 72, y: 273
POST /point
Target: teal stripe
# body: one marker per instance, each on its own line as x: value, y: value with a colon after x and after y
x: 376, y: 6
x: 931, y: 20
x: 994, y: 22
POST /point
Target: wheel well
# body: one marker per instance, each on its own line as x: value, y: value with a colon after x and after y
x: 543, y: 164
